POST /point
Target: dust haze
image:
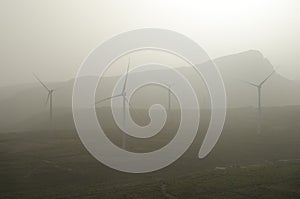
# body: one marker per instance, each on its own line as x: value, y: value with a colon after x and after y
x: 254, y: 44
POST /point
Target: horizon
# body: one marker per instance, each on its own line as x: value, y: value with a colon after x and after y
x: 119, y: 73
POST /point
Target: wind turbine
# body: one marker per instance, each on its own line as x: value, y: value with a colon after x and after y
x: 125, y: 100
x: 259, y: 87
x: 49, y: 98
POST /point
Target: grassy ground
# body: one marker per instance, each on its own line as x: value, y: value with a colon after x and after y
x: 264, y: 180
x: 257, y: 181
x: 38, y: 164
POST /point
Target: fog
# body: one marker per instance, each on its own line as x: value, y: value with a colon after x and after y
x: 56, y: 142
x: 52, y: 38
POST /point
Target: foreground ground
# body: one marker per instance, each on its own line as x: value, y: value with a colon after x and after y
x: 39, y: 164
x: 268, y: 180
x: 279, y: 179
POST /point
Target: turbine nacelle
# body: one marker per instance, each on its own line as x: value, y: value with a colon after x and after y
x: 262, y: 83
x: 125, y: 100
x: 49, y: 98
x: 259, y: 86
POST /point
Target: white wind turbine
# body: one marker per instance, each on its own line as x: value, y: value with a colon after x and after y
x: 125, y: 100
x: 259, y: 87
x: 49, y: 99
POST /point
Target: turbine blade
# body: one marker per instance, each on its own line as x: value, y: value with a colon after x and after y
x: 47, y: 100
x: 169, y: 87
x: 126, y: 77
x: 41, y: 82
x: 249, y: 83
x: 108, y: 98
x: 267, y: 78
x: 131, y: 106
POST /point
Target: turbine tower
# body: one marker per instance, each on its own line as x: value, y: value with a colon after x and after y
x: 125, y: 100
x: 169, y: 97
x: 259, y: 87
x: 49, y: 99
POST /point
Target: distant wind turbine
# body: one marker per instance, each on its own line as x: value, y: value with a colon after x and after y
x: 125, y: 100
x: 259, y: 87
x: 49, y: 98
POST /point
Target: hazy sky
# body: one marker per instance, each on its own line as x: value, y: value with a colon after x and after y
x: 51, y: 38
